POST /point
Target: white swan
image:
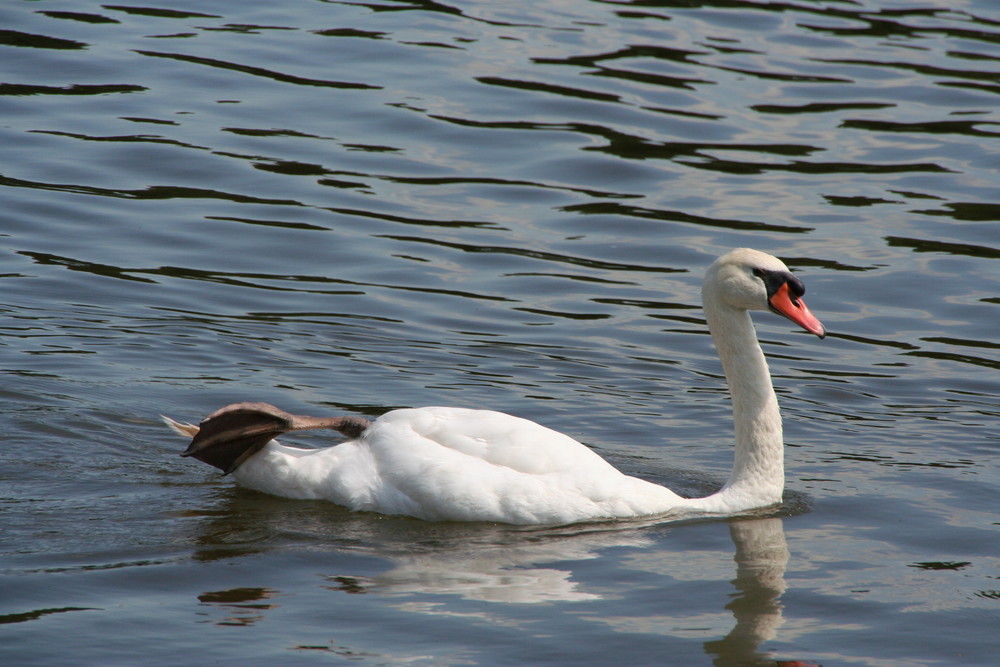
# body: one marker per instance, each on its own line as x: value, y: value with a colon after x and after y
x: 457, y: 464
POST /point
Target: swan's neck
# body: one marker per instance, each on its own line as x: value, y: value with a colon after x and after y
x: 758, y: 476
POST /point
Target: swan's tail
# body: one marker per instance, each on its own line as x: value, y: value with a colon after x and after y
x: 181, y: 428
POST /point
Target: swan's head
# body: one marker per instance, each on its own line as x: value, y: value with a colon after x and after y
x: 753, y: 280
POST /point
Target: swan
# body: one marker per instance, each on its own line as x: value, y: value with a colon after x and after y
x: 457, y: 464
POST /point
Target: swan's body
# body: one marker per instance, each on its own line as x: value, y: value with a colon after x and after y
x: 457, y: 464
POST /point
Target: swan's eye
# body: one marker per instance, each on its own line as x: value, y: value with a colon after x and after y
x: 760, y: 273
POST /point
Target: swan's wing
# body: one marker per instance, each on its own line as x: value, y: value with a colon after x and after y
x: 493, y: 438
x: 479, y: 465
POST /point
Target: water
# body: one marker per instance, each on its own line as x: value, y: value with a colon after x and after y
x: 354, y: 206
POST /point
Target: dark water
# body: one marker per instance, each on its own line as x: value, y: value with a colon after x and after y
x: 355, y: 206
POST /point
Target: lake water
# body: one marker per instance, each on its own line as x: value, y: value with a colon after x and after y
x: 346, y: 207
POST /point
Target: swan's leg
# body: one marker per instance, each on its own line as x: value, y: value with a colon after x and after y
x: 231, y: 435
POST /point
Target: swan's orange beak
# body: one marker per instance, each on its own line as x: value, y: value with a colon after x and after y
x: 783, y: 303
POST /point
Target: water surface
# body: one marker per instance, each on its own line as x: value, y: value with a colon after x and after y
x: 355, y: 206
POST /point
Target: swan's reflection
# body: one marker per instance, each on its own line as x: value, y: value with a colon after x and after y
x: 507, y: 571
x: 508, y: 565
x: 761, y: 558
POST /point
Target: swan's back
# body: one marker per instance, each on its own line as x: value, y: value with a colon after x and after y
x: 493, y: 438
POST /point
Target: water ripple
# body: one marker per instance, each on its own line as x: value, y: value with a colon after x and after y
x: 351, y: 206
